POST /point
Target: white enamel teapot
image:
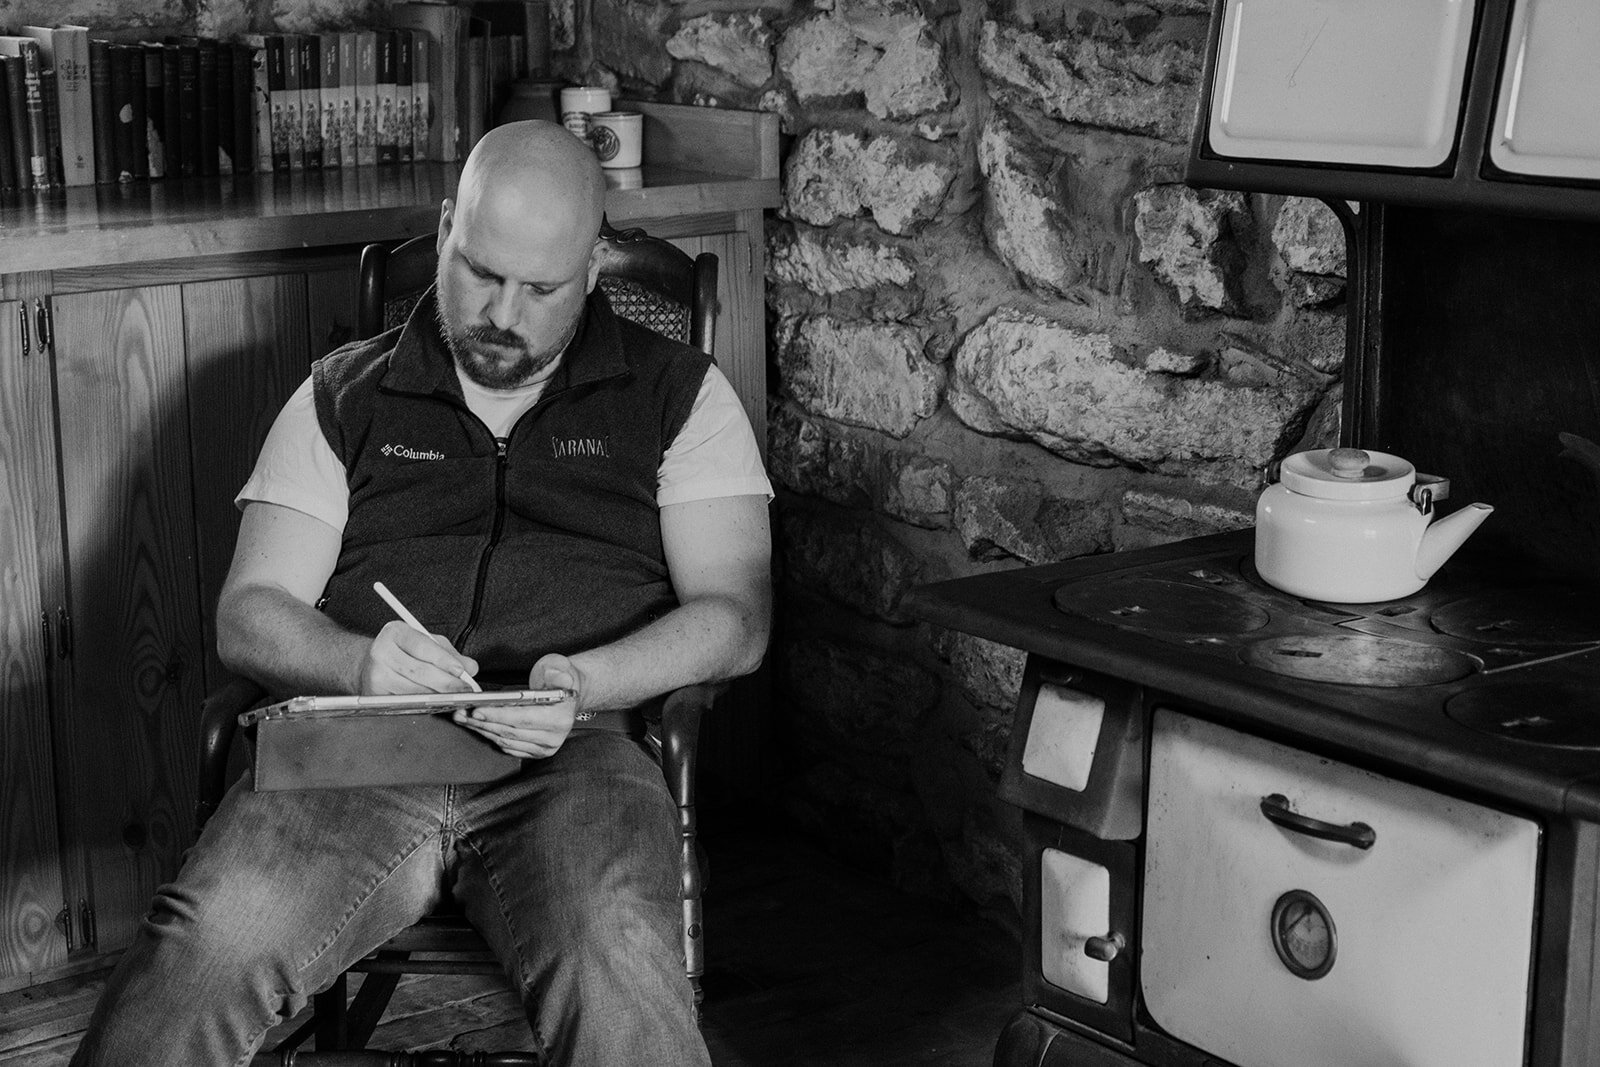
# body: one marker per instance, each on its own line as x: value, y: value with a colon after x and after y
x: 1347, y: 526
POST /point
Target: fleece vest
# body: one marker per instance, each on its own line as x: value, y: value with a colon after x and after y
x: 546, y: 541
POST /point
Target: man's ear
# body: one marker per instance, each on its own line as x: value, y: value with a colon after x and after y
x: 596, y: 256
x: 446, y: 210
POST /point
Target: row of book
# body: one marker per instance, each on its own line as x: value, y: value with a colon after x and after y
x: 80, y: 109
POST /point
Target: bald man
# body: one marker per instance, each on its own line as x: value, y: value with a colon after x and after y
x: 566, y: 500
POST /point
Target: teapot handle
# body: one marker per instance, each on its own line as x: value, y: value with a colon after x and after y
x: 1427, y: 491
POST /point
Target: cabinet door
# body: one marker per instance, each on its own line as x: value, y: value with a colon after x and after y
x: 30, y: 552
x: 127, y: 727
x: 246, y: 345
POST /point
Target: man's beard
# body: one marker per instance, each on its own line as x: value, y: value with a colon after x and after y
x: 497, y: 359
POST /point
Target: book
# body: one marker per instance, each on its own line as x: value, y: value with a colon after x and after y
x: 347, y: 98
x: 26, y: 51
x: 366, y: 98
x: 293, y: 124
x: 421, y: 95
x: 277, y: 53
x: 172, y: 115
x: 527, y: 24
x: 260, y: 101
x: 387, y: 136
x: 122, y: 107
x: 65, y: 49
x: 328, y: 86
x: 402, y: 96
x: 17, y: 107
x: 225, y: 109
x: 138, y: 120
x: 105, y: 119
x: 54, y: 168
x: 244, y: 113
x: 445, y: 25
x: 311, y: 100
x: 155, y: 113
x: 205, y: 105
x: 188, y: 51
x: 8, y: 152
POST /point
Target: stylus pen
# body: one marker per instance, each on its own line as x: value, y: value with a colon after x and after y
x: 411, y: 621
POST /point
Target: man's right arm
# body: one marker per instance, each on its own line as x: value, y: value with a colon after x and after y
x: 269, y: 630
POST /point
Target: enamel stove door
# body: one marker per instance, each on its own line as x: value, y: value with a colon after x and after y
x: 1302, y: 911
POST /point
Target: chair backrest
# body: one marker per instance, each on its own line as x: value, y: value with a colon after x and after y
x: 648, y: 280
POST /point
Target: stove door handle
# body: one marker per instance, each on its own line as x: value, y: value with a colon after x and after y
x: 1357, y: 835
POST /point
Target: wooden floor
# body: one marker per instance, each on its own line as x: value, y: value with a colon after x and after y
x: 809, y: 962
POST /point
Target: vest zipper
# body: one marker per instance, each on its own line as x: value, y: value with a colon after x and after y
x: 500, y: 464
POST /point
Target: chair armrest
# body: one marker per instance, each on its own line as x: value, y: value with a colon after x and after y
x: 677, y: 733
x: 219, y: 722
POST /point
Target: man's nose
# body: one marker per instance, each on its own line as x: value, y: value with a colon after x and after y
x: 504, y: 311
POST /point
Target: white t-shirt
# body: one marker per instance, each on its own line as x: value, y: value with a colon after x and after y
x: 714, y: 455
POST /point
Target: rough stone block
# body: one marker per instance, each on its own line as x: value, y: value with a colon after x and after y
x: 822, y: 264
x: 999, y: 517
x: 1145, y: 88
x: 1019, y: 374
x: 1309, y: 237
x: 883, y: 50
x: 864, y: 374
x: 848, y: 557
x: 990, y: 673
x: 1175, y: 518
x: 738, y: 45
x: 1023, y: 209
x: 627, y: 38
x: 832, y: 174
x: 1188, y: 236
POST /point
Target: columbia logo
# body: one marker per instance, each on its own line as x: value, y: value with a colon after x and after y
x: 570, y: 447
x: 409, y: 453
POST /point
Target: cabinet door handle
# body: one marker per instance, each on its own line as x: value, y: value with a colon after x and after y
x: 91, y: 936
x: 22, y: 324
x: 63, y: 634
x: 1357, y: 834
x: 41, y: 316
x: 64, y: 922
x: 1104, y: 949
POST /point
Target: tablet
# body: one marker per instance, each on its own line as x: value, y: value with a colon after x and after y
x: 322, y: 707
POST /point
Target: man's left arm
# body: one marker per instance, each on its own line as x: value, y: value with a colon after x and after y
x: 718, y: 554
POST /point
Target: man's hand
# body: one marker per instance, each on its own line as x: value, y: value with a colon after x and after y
x: 401, y: 660
x: 532, y: 732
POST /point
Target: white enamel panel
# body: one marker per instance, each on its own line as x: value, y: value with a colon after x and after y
x: 1375, y: 82
x: 1074, y: 905
x: 1434, y: 923
x: 1547, y: 117
x: 1062, y: 736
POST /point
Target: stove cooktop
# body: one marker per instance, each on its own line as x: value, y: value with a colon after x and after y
x: 1488, y: 681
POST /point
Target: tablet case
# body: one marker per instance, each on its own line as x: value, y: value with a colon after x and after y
x: 346, y: 742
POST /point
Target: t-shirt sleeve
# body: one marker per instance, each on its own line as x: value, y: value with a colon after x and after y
x: 715, y: 454
x: 297, y: 468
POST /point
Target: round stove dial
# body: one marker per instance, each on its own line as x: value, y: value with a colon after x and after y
x: 1303, y: 935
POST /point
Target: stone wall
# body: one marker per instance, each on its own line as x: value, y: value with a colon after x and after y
x: 1003, y: 333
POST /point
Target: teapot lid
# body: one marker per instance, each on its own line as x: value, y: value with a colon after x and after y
x: 1347, y: 474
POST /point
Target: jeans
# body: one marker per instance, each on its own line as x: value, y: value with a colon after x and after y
x: 568, y: 868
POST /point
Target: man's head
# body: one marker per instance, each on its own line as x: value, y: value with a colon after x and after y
x: 517, y: 252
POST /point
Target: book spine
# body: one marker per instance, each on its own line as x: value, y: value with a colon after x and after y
x: 54, y: 167
x: 21, y: 142
x: 347, y: 98
x: 206, y: 106
x: 367, y: 98
x: 311, y: 99
x: 122, y: 109
x: 172, y: 114
x: 260, y: 102
x: 138, y: 120
x: 155, y: 114
x: 328, y: 85
x: 225, y: 109
x: 277, y: 51
x: 403, y: 90
x: 291, y: 101
x: 66, y: 51
x: 421, y: 96
x: 105, y: 116
x: 8, y: 151
x: 189, y: 164
x: 244, y: 112
x: 388, y: 141
x: 38, y: 123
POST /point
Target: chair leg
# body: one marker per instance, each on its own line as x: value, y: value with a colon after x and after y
x: 367, y: 1009
x: 328, y: 1010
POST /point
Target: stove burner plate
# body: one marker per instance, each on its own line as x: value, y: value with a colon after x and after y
x: 1538, y: 713
x: 1154, y: 604
x: 1522, y: 617
x: 1357, y: 659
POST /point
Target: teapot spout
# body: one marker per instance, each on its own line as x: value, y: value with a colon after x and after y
x: 1441, y: 539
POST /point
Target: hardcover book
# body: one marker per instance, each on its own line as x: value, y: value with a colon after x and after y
x: 366, y: 98
x: 261, y: 119
x: 206, y: 105
x: 138, y: 120
x: 347, y: 98
x: 8, y: 151
x: 402, y: 95
x: 291, y: 102
x: 445, y: 25
x: 172, y: 114
x: 25, y: 50
x: 311, y: 100
x: 155, y: 111
x: 52, y: 125
x: 421, y: 96
x: 17, y: 106
x: 244, y: 108
x: 387, y: 135
x: 65, y: 49
x: 122, y: 108
x: 277, y: 53
x: 329, y: 87
x: 225, y: 108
